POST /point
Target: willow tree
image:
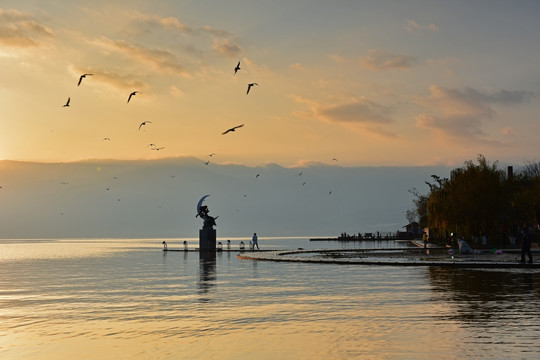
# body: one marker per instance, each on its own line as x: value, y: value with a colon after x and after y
x: 525, y: 201
x: 470, y: 203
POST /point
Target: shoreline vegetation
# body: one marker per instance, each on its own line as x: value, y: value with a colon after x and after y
x: 482, y: 204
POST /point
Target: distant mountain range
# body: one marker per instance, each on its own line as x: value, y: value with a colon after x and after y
x: 157, y: 198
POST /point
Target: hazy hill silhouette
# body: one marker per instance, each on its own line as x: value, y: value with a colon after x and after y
x: 157, y: 198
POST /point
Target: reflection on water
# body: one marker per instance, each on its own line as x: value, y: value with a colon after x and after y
x: 207, y: 274
x: 129, y: 300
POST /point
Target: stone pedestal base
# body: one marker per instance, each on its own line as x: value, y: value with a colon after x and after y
x: 207, y: 240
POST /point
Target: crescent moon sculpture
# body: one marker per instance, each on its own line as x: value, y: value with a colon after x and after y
x: 202, y: 211
x: 200, y: 203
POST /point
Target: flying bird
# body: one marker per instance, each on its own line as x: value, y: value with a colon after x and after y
x: 108, y: 139
x: 144, y: 123
x: 237, y: 68
x: 207, y: 162
x: 132, y: 94
x: 82, y: 77
x: 232, y: 129
x: 249, y: 87
x: 67, y: 102
x: 158, y: 148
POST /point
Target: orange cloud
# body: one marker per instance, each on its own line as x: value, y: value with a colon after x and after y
x: 359, y: 114
x: 461, y: 114
x: 160, y: 60
x: 378, y: 60
x: 18, y: 29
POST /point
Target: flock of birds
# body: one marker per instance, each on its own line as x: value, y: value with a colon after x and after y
x: 153, y: 146
x: 133, y: 93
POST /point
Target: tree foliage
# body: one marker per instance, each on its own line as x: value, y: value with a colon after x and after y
x: 480, y: 200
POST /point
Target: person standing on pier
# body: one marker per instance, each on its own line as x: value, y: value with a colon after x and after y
x: 526, y: 246
x: 255, y: 241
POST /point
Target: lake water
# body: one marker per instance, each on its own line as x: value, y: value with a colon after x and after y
x: 126, y: 299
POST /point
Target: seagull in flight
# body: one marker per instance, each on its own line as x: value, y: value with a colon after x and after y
x: 67, y: 102
x: 82, y: 77
x: 132, y: 94
x: 144, y: 123
x: 237, y: 68
x: 232, y: 129
x: 108, y: 139
x: 249, y: 87
x: 158, y: 148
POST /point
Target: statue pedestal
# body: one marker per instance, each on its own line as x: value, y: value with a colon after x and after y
x: 207, y: 240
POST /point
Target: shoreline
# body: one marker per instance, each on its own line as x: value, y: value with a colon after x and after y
x: 394, y: 257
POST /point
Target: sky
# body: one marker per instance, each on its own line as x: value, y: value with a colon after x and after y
x: 367, y: 83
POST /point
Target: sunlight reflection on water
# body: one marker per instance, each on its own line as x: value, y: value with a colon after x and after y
x: 125, y: 299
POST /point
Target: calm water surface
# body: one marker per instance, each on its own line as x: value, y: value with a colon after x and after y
x: 126, y: 299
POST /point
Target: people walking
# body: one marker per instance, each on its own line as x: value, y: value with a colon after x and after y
x: 255, y: 241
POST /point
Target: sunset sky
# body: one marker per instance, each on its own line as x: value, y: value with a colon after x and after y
x: 365, y: 82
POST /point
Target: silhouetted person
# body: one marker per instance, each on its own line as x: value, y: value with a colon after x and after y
x: 526, y: 246
x: 255, y: 241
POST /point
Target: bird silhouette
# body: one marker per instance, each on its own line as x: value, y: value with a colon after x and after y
x: 249, y: 87
x: 144, y: 123
x: 108, y: 139
x: 207, y: 162
x: 82, y: 77
x: 132, y: 94
x: 237, y: 68
x: 232, y: 129
x: 158, y: 148
x: 67, y: 102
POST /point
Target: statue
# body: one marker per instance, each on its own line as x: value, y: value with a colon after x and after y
x: 202, y: 210
x: 207, y: 235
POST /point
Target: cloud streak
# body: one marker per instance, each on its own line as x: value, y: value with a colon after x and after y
x: 360, y: 114
x: 462, y: 113
x: 162, y: 61
x: 412, y: 26
x: 380, y: 60
x: 222, y: 40
x: 18, y: 29
x: 119, y: 81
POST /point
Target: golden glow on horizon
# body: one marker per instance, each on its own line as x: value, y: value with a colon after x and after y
x: 372, y: 104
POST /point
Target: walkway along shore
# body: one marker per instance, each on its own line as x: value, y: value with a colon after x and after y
x: 391, y: 257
